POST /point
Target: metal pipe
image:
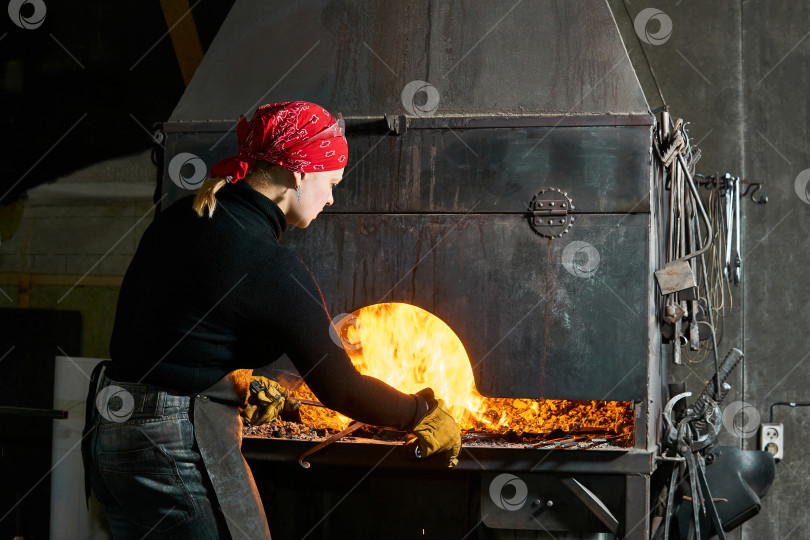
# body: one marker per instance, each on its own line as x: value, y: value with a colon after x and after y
x: 703, y: 214
x: 737, y: 260
x: 681, y: 212
x: 710, y: 309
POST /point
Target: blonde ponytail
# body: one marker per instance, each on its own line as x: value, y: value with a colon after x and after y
x: 206, y: 196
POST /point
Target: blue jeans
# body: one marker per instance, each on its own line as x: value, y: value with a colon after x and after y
x: 146, y: 469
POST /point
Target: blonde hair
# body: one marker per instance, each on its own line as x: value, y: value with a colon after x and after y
x: 206, y: 196
x: 261, y: 174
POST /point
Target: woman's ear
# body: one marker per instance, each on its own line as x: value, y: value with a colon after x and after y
x: 297, y: 178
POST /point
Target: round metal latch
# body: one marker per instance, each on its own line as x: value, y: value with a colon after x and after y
x: 549, y: 213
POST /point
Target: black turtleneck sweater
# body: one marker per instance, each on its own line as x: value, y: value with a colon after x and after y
x: 206, y: 296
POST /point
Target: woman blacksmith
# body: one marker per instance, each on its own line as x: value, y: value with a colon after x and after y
x: 209, y: 295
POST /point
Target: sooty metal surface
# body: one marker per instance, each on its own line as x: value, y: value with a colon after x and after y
x: 442, y: 223
x: 366, y: 452
x: 357, y: 56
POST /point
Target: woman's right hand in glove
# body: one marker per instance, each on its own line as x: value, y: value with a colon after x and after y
x: 264, y: 402
x: 437, y: 432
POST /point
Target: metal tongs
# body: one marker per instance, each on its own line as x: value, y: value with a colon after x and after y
x: 327, y: 442
x: 691, y: 435
x: 293, y: 404
x: 677, y: 279
x: 733, y: 269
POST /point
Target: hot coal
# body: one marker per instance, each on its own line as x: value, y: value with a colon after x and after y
x: 555, y: 439
x: 278, y: 429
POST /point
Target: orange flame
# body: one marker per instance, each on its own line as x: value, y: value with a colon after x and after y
x: 411, y: 349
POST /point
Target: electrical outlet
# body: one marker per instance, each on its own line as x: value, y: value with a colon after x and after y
x: 772, y: 439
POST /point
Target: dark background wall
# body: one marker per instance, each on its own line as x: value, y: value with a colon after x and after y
x: 738, y: 72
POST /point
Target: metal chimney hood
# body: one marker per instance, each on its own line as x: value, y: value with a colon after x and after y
x: 508, y: 101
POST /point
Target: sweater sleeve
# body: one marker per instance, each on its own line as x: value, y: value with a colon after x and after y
x: 291, y: 304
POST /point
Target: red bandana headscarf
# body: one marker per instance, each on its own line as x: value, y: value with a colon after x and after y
x: 299, y: 136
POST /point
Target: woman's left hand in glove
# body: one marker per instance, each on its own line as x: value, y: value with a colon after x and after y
x: 437, y: 432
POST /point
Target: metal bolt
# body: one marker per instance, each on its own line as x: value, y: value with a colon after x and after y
x: 539, y: 204
x: 551, y: 222
x: 562, y: 205
x: 565, y: 231
x: 549, y: 503
x: 573, y: 219
x: 551, y: 203
x: 562, y: 221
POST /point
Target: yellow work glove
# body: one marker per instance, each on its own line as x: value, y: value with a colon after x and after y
x: 265, y: 400
x: 437, y: 433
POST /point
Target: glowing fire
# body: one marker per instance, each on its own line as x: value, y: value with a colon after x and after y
x: 411, y: 349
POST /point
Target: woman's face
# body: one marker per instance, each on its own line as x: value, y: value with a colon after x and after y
x: 316, y: 193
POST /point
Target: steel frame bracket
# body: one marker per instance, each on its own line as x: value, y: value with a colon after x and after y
x: 593, y: 503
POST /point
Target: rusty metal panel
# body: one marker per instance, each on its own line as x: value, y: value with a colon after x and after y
x: 637, y: 512
x: 603, y: 169
x: 358, y: 56
x: 540, y: 318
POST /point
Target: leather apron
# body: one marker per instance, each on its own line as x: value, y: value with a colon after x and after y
x: 218, y: 432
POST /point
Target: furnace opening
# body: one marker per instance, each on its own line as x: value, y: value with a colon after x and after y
x: 410, y: 349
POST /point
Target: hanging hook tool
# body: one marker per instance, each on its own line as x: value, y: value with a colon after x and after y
x: 754, y: 187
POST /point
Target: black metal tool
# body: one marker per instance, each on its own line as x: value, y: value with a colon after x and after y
x: 352, y: 428
x: 689, y: 437
x: 57, y: 414
x: 292, y: 404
